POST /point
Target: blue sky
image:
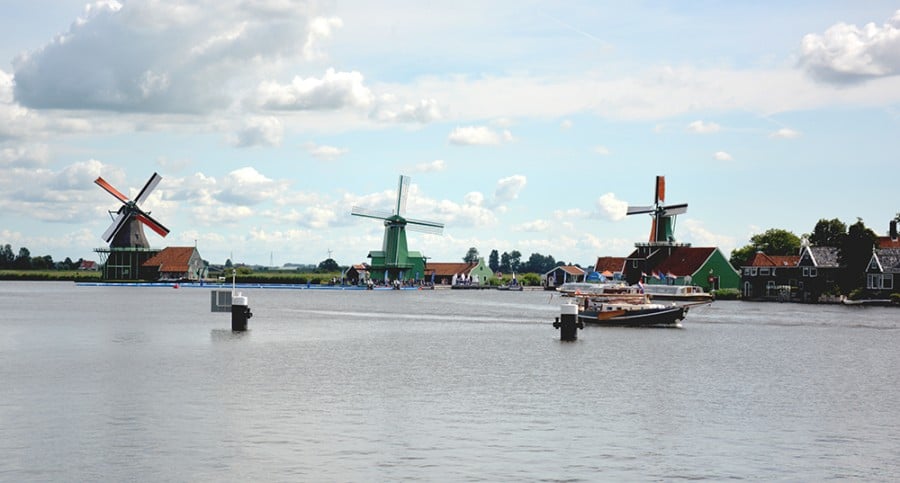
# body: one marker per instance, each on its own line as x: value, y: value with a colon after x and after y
x: 524, y: 126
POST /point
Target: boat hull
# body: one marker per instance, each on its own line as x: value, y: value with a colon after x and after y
x: 668, y: 317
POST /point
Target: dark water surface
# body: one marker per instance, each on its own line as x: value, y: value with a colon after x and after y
x: 117, y: 384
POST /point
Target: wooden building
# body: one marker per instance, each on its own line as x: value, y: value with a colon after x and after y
x: 680, y: 264
x: 174, y: 263
x: 883, y: 272
x: 770, y: 277
x: 445, y: 273
x: 562, y: 274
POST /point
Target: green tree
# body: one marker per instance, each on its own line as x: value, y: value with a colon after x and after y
x: 515, y: 260
x: 23, y: 259
x: 471, y: 255
x: 494, y: 261
x: 328, y: 266
x: 504, y: 263
x: 828, y: 233
x: 773, y: 241
x: 7, y: 257
x: 855, y: 253
x: 228, y: 263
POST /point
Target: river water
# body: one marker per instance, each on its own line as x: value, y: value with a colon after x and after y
x: 146, y: 384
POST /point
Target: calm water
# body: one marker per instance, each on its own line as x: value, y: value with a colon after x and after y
x: 117, y: 384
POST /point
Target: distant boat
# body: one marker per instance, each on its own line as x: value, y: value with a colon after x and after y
x: 683, y: 293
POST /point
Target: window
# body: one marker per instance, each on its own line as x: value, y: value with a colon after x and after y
x: 873, y: 281
x: 634, y: 264
x: 753, y: 271
x: 813, y: 271
x: 746, y: 270
x: 764, y: 272
x: 887, y: 281
x: 805, y: 271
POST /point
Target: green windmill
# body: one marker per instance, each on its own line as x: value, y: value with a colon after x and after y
x: 394, y: 261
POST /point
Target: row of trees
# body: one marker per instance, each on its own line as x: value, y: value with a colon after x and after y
x: 509, y: 262
x: 854, y: 243
x: 9, y: 260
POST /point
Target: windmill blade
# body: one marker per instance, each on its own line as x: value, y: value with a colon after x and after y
x: 116, y: 225
x: 660, y: 189
x: 370, y: 213
x: 148, y: 188
x: 424, y: 223
x: 634, y: 210
x: 424, y: 226
x: 429, y: 229
x: 153, y: 224
x: 109, y: 189
x: 402, y: 192
x: 675, y: 209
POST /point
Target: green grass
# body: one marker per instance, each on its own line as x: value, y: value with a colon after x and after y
x: 50, y: 275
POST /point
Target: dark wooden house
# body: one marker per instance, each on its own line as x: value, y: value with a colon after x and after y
x: 770, y: 277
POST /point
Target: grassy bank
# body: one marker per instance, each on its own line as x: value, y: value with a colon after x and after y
x: 50, y: 275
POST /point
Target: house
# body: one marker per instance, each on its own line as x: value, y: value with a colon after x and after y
x: 610, y: 267
x: 88, y: 265
x: 770, y: 277
x: 446, y: 273
x: 819, y: 272
x: 562, y: 274
x: 892, y: 240
x: 680, y: 264
x: 174, y: 263
x: 883, y: 270
x: 356, y: 273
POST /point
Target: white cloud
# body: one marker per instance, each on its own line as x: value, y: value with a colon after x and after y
x: 566, y: 124
x: 335, y: 90
x: 388, y: 109
x: 785, y: 133
x: 611, y: 208
x: 259, y: 131
x: 722, y: 156
x: 430, y: 167
x: 247, y: 186
x: 848, y: 53
x: 162, y: 55
x: 535, y: 226
x: 509, y: 188
x: 701, y: 127
x: 320, y: 28
x: 478, y: 135
x: 602, y: 150
x: 26, y: 156
x: 327, y: 153
x: 695, y: 233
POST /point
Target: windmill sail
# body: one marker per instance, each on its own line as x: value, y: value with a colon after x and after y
x: 394, y: 250
x: 126, y: 228
x: 662, y: 227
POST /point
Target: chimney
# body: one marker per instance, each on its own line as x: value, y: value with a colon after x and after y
x: 893, y: 230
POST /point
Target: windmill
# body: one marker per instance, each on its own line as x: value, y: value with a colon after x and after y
x: 662, y: 230
x: 395, y: 258
x: 128, y: 246
x: 127, y: 229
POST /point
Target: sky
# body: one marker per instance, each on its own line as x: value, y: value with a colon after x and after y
x: 523, y: 125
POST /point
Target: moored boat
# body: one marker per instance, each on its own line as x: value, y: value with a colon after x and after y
x: 683, y: 293
x: 614, y: 311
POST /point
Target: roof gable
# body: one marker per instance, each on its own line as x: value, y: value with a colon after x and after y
x: 610, y: 264
x: 685, y: 260
x: 760, y: 259
x: 450, y: 268
x: 172, y: 259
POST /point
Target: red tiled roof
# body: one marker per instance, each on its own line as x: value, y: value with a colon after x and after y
x: 610, y: 264
x: 685, y: 261
x: 571, y: 269
x: 172, y: 259
x: 760, y: 259
x: 886, y: 242
x: 449, y: 268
